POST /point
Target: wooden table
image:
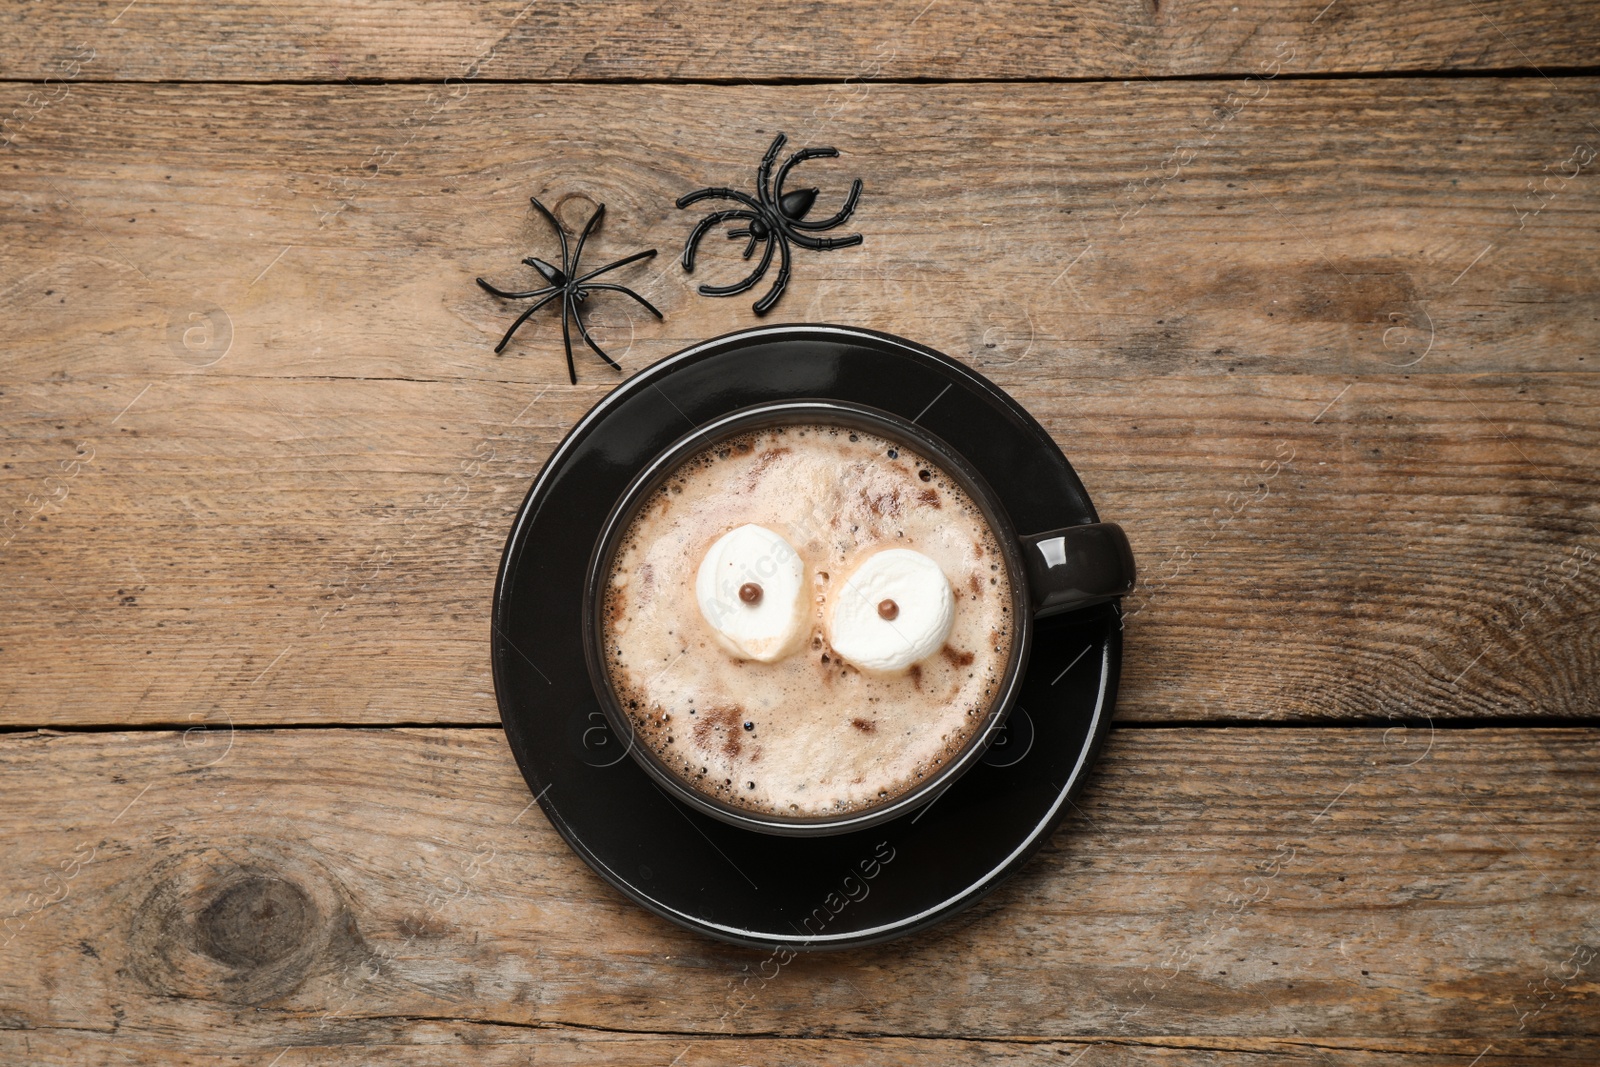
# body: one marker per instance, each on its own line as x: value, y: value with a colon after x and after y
x: 1307, y: 293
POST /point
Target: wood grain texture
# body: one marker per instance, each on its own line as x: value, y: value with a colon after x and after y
x: 1336, y: 387
x: 850, y: 40
x: 1131, y: 230
x: 1310, y: 895
x: 268, y: 550
x: 447, y: 1044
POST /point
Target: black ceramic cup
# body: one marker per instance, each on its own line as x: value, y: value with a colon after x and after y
x: 1051, y: 572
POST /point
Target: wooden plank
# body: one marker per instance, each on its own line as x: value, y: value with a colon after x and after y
x: 1307, y: 894
x: 1129, y: 230
x: 256, y: 432
x: 294, y: 40
x: 441, y: 1044
x: 269, y: 550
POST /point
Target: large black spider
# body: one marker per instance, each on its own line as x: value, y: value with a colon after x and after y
x: 572, y: 289
x: 774, y: 217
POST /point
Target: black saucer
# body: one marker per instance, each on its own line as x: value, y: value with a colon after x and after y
x: 752, y: 888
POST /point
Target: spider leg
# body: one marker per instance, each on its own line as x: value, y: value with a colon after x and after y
x: 514, y: 296
x: 584, y: 331
x: 834, y: 220
x: 750, y: 246
x: 764, y: 173
x: 704, y: 226
x: 567, y: 311
x: 588, y: 227
x: 619, y: 263
x: 561, y: 233
x: 748, y: 283
x: 620, y: 289
x: 793, y: 162
x: 522, y: 318
x: 765, y: 304
x: 822, y: 244
x: 717, y: 193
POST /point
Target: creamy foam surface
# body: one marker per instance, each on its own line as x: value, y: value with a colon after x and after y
x: 809, y: 734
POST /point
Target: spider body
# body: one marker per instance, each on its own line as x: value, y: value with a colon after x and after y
x: 772, y: 218
x: 570, y: 288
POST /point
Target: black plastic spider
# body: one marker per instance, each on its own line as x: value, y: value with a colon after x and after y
x: 774, y: 217
x: 573, y: 290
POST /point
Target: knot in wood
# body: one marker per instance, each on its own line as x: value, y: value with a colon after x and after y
x: 257, y: 921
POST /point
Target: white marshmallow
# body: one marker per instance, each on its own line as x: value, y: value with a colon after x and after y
x: 920, y: 591
x: 770, y: 628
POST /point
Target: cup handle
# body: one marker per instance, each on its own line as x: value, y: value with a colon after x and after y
x: 1077, y: 567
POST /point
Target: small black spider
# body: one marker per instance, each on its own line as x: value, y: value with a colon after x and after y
x: 774, y: 217
x: 572, y: 289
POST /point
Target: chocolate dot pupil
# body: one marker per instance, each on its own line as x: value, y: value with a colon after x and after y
x: 888, y: 609
x: 750, y: 593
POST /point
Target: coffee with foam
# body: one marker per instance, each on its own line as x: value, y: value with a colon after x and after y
x: 759, y: 709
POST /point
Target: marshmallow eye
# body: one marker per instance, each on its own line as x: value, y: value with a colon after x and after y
x: 893, y: 611
x: 750, y: 587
